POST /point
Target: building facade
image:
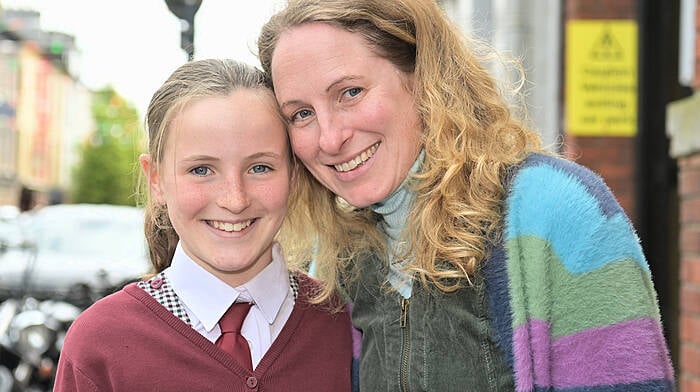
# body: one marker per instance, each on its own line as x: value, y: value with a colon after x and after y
x: 614, y: 85
x: 9, y: 91
x: 683, y: 127
x: 45, y: 111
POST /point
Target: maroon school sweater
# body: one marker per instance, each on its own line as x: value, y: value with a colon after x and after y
x: 129, y: 342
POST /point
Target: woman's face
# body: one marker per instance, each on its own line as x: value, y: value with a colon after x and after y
x: 353, y: 118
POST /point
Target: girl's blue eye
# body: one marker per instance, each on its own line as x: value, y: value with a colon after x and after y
x: 259, y: 169
x: 200, y: 171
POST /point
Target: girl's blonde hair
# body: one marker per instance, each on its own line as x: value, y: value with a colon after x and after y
x: 470, y: 140
x: 190, y: 82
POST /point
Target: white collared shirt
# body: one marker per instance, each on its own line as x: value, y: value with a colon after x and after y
x: 205, y: 298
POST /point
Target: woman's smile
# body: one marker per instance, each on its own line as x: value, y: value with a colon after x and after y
x: 359, y: 160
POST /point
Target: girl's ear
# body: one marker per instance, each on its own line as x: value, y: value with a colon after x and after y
x: 151, y: 173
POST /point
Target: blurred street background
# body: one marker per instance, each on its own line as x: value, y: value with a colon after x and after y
x: 611, y: 84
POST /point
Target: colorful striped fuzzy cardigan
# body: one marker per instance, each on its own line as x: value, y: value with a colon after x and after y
x: 570, y: 292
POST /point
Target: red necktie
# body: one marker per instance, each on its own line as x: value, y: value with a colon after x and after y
x: 231, y: 339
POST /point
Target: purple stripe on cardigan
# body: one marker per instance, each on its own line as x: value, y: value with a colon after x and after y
x: 623, y: 353
x: 533, y: 334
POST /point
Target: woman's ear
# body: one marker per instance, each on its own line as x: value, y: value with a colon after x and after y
x: 151, y: 173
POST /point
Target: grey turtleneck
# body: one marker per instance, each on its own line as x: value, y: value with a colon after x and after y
x: 394, y: 210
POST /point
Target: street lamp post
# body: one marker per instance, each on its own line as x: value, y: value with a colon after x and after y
x: 185, y: 11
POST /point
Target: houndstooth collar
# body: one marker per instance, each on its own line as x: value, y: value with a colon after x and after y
x: 162, y: 291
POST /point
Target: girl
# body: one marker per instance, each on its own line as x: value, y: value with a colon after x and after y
x: 219, y: 170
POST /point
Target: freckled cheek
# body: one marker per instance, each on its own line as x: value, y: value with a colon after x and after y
x: 185, y: 207
x: 191, y: 200
x: 274, y: 197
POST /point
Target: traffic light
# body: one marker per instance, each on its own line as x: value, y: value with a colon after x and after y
x: 185, y: 11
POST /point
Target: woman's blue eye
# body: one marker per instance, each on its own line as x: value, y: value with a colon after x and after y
x: 302, y: 114
x: 200, y: 171
x: 353, y: 92
x: 258, y: 169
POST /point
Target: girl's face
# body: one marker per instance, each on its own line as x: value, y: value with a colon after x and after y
x: 353, y: 119
x: 225, y: 178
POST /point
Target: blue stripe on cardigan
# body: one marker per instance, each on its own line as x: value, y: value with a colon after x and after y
x: 560, y: 196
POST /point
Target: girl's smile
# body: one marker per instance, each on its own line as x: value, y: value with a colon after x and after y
x: 230, y: 227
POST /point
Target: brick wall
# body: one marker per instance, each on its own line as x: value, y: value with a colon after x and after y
x: 614, y: 159
x: 611, y: 157
x: 687, y: 147
x: 689, y: 192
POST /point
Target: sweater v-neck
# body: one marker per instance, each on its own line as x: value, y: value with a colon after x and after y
x: 277, y: 347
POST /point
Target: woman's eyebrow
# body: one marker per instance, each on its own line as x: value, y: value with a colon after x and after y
x: 341, y: 80
x: 296, y: 102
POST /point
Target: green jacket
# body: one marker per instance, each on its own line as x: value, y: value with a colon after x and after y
x: 564, y: 302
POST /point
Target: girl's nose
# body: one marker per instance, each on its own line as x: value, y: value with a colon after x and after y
x: 234, y: 196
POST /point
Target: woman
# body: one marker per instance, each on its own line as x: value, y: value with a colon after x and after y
x: 473, y: 259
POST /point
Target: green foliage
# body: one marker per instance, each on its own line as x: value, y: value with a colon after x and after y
x: 108, y: 169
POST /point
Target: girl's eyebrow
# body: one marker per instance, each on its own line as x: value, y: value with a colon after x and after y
x: 208, y: 158
x: 264, y: 154
x: 197, y: 158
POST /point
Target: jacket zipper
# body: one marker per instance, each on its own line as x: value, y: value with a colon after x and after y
x: 406, y: 345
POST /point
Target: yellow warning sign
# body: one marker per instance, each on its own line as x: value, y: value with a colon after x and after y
x: 601, y: 77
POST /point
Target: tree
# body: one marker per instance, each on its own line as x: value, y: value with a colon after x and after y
x: 108, y: 169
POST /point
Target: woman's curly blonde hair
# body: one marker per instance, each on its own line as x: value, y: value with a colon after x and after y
x: 470, y: 140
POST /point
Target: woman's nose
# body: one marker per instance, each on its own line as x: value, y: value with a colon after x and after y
x: 333, y: 134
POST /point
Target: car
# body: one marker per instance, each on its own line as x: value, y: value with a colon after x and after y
x: 76, y: 253
x: 10, y: 232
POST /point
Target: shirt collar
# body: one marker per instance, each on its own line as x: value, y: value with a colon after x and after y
x: 189, y: 280
x: 270, y: 287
